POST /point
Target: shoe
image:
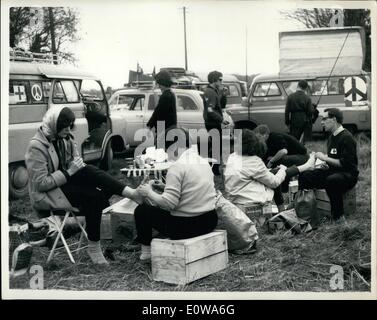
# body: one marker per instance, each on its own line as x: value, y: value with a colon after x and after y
x: 21, y: 259
x: 146, y: 254
x: 341, y: 221
x: 251, y: 249
x: 37, y: 237
x: 50, y: 239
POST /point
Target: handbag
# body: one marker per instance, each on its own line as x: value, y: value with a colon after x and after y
x: 305, y: 204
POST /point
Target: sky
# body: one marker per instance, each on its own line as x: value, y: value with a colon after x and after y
x: 115, y: 36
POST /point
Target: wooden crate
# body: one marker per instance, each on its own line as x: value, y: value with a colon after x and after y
x: 122, y: 220
x: 323, y: 202
x: 184, y: 261
x: 259, y: 213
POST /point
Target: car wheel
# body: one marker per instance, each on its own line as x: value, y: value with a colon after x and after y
x: 18, y: 181
x: 107, y: 160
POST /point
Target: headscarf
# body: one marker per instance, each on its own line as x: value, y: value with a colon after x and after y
x: 55, y: 119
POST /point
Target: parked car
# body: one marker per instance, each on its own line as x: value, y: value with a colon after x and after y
x: 35, y: 85
x: 135, y: 107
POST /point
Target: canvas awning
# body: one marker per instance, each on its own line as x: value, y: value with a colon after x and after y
x: 314, y: 52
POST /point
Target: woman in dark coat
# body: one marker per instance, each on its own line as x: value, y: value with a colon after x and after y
x: 166, y: 109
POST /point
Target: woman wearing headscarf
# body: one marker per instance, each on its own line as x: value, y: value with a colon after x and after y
x: 59, y: 178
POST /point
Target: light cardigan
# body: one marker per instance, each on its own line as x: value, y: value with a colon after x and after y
x: 248, y: 180
x: 189, y: 190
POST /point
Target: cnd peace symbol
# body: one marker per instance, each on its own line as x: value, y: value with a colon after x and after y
x: 36, y: 92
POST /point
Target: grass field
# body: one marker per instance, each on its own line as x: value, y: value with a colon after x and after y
x: 283, y: 262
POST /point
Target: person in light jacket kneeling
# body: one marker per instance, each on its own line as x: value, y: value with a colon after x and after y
x: 248, y: 180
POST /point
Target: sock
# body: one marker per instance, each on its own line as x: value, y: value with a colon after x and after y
x: 145, y: 252
x: 95, y: 252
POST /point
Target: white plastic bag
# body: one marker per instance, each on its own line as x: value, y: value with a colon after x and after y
x: 241, y: 231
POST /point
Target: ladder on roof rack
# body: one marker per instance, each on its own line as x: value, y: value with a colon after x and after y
x: 17, y: 54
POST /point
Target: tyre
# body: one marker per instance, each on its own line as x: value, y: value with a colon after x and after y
x: 107, y: 160
x: 18, y: 181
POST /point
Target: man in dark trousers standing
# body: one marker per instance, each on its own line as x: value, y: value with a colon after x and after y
x: 213, y: 113
x: 166, y: 109
x: 299, y: 112
x: 339, y: 172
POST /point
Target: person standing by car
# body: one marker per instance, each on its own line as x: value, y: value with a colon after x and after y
x: 299, y: 113
x: 213, y: 114
x: 59, y: 178
x: 166, y: 109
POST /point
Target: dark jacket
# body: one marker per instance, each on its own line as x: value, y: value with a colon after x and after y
x: 213, y: 113
x: 165, y: 110
x: 298, y: 110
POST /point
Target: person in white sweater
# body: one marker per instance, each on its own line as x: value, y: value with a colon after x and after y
x: 248, y: 180
x: 186, y: 208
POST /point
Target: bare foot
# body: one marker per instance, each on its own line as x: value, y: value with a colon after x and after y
x: 308, y: 165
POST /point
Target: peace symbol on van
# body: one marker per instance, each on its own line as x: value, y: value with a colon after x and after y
x: 36, y: 92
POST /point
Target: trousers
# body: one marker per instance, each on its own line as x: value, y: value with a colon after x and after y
x: 148, y: 217
x: 90, y: 189
x: 297, y: 131
x: 336, y: 183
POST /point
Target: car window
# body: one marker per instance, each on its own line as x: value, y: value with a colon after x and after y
x: 65, y: 91
x: 39, y: 91
x: 232, y: 91
x: 124, y: 101
x: 266, y: 89
x: 127, y: 102
x: 290, y: 86
x: 318, y: 87
x: 58, y: 95
x: 185, y: 103
x: 91, y: 89
x: 151, y: 103
x: 70, y: 91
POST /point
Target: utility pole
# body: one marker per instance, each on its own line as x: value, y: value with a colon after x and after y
x: 247, y: 86
x: 52, y: 33
x: 184, y: 29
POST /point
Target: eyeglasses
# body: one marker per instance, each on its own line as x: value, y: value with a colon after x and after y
x: 325, y: 118
x: 220, y: 79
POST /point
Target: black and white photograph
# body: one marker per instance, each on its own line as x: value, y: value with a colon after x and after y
x: 188, y: 150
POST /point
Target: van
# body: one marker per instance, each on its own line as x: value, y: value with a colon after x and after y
x: 330, y: 60
x: 37, y: 84
x: 268, y: 95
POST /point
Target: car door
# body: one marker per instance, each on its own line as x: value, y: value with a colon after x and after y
x: 130, y: 106
x: 189, y: 114
x: 267, y: 105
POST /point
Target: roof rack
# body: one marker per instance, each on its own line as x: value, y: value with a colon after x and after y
x: 18, y: 54
x: 143, y: 84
